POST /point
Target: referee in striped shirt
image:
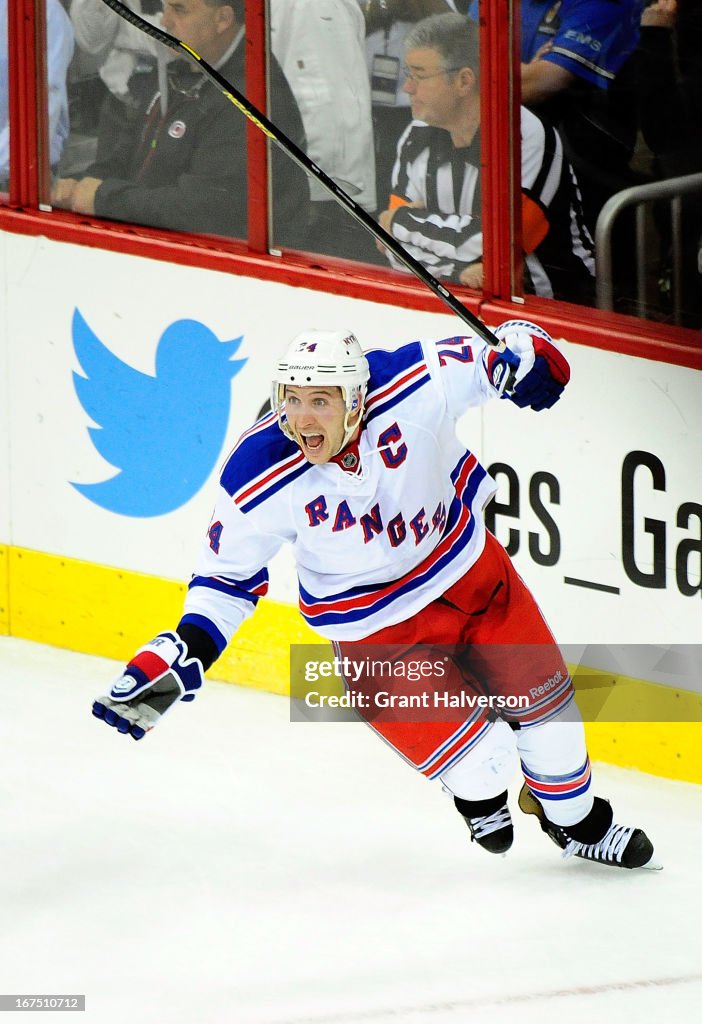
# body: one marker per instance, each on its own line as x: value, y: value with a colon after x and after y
x: 434, y: 208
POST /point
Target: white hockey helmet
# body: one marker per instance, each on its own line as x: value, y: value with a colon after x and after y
x: 327, y: 358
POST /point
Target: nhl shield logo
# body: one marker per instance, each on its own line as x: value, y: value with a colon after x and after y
x: 176, y: 130
x: 349, y: 460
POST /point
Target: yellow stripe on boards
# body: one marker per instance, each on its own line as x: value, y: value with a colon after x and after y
x: 639, y: 724
x: 110, y: 612
x: 4, y: 590
x: 85, y: 607
x: 670, y: 749
x: 604, y: 697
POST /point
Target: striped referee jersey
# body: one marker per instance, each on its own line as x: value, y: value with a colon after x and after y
x: 444, y: 232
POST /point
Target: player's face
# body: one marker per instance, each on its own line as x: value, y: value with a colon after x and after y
x: 200, y: 25
x: 437, y: 96
x: 316, y: 417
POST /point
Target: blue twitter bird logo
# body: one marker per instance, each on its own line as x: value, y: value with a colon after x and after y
x: 164, y: 434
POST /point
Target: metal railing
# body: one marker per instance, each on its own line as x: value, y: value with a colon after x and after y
x: 671, y: 188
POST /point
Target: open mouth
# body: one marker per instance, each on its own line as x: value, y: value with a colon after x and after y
x: 312, y: 443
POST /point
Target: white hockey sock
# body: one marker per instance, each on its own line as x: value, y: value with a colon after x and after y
x: 556, y: 766
x: 487, y: 769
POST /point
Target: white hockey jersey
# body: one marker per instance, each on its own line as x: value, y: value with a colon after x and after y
x: 375, y: 545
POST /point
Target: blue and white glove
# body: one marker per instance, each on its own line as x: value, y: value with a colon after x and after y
x: 543, y: 370
x: 159, y: 675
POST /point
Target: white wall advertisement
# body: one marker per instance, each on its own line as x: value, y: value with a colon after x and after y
x: 600, y: 499
x: 124, y: 382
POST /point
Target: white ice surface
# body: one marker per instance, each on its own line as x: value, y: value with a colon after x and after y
x: 234, y: 868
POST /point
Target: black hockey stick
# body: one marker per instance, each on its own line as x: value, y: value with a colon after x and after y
x: 303, y: 161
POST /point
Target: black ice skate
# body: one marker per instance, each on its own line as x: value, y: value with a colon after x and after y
x: 489, y: 821
x: 619, y: 846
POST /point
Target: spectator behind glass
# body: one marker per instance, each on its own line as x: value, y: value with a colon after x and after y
x: 59, y: 51
x: 387, y: 24
x: 572, y: 51
x: 120, y: 49
x: 435, y: 206
x: 180, y: 162
x: 667, y: 104
x: 659, y: 83
x: 646, y: 90
x: 4, y: 103
x: 319, y: 46
x: 689, y: 49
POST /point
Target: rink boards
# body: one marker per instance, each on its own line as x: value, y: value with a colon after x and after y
x: 599, y: 500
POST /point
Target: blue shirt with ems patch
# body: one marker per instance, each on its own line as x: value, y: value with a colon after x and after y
x: 590, y: 38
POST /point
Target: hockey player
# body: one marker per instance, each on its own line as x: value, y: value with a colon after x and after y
x: 358, y: 466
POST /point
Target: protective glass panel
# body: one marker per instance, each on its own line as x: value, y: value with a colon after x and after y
x: 345, y: 63
x: 623, y: 89
x: 320, y: 95
x: 56, y: 60
x: 152, y: 141
x: 4, y: 111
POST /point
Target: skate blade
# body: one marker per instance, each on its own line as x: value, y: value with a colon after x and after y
x: 652, y: 865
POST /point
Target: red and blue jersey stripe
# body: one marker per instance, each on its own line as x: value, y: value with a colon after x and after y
x: 394, y: 377
x: 358, y: 603
x: 263, y: 445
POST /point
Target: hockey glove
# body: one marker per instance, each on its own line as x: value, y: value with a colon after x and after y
x: 159, y: 674
x: 543, y: 369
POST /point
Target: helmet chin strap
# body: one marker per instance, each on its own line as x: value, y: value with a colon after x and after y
x: 349, y: 431
x: 293, y: 435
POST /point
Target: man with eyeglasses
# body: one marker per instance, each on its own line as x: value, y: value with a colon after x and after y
x: 572, y: 53
x: 177, y: 160
x: 435, y: 205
